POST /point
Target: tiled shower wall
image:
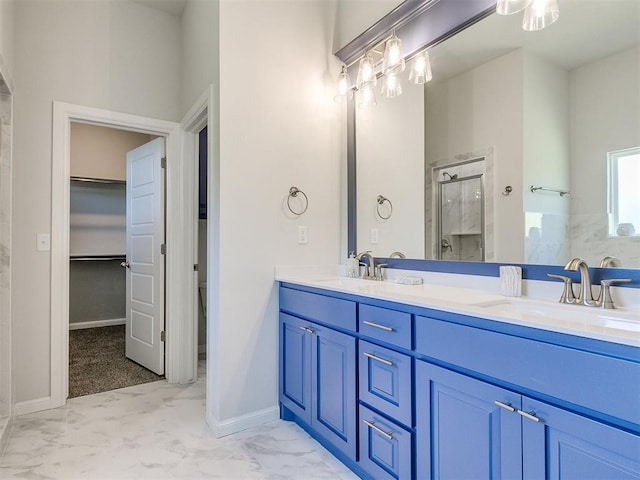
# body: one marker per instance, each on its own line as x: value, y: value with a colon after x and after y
x: 5, y: 259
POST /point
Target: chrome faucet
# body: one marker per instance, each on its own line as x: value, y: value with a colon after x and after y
x: 370, y: 266
x: 585, y: 297
x: 610, y: 262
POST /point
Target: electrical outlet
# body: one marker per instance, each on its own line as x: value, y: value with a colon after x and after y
x: 374, y: 236
x: 43, y: 242
x: 302, y: 235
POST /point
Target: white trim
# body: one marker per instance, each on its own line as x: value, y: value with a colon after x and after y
x: 243, y: 422
x: 110, y: 322
x: 63, y: 115
x: 199, y: 115
x: 35, y: 405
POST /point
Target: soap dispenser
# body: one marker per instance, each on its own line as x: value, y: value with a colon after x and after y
x: 353, y: 266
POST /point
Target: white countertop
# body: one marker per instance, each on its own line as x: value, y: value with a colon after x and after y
x: 618, y: 326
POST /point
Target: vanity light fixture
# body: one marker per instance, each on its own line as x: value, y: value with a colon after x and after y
x: 421, y: 69
x: 344, y: 83
x: 508, y: 7
x: 540, y: 14
x: 366, y: 71
x: 393, y: 60
x: 391, y: 86
x: 367, y: 95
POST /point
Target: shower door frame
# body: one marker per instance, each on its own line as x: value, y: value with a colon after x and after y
x: 438, y: 223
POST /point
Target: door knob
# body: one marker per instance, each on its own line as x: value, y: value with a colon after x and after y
x: 124, y: 264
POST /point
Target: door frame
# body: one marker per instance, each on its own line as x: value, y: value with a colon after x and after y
x: 178, y: 368
x: 201, y: 114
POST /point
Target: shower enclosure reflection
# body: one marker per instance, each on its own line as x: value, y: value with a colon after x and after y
x: 460, y: 211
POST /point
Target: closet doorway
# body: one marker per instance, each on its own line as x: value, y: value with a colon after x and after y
x: 202, y: 242
x: 116, y: 262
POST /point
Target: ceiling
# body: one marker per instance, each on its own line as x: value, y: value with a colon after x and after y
x: 174, y: 7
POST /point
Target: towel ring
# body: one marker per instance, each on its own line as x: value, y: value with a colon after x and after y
x: 293, y: 193
x: 381, y: 200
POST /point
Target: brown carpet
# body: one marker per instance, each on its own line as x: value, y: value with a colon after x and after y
x: 97, y: 362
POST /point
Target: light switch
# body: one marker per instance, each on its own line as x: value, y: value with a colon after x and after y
x: 302, y: 235
x: 374, y: 236
x: 43, y: 242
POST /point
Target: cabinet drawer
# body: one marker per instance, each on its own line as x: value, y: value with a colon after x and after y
x: 595, y: 381
x: 385, y: 448
x: 386, y: 325
x: 327, y: 310
x: 385, y: 381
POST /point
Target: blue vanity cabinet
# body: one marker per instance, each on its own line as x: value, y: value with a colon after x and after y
x: 333, y: 387
x: 462, y: 432
x: 318, y: 367
x: 504, y: 433
x: 564, y: 445
x: 386, y: 449
x: 295, y: 366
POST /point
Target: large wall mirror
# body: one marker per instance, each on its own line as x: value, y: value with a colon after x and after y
x: 455, y: 160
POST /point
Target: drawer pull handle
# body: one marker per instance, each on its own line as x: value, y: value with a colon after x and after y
x: 530, y: 415
x: 506, y: 406
x: 378, y: 359
x: 377, y: 325
x: 307, y: 329
x: 387, y: 435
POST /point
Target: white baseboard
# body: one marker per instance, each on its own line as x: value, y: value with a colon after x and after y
x: 5, y: 432
x: 243, y: 422
x: 35, y: 405
x: 97, y: 323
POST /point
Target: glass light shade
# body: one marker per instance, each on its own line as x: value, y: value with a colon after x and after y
x: 393, y: 59
x: 540, y: 14
x: 366, y: 71
x: 508, y: 7
x: 343, y: 82
x: 421, y: 69
x: 367, y: 96
x: 391, y: 87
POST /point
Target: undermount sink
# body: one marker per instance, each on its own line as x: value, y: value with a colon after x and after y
x: 564, y: 313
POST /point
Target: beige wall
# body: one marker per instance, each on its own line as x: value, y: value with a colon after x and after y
x: 119, y: 56
x: 100, y: 152
x: 281, y: 125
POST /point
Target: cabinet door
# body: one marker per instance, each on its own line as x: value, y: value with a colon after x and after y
x: 385, y: 381
x: 333, y: 388
x: 385, y: 448
x: 295, y: 365
x: 564, y: 445
x: 461, y: 432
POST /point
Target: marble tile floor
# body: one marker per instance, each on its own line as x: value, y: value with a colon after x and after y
x: 156, y: 431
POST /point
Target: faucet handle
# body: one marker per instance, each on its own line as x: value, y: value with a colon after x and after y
x: 604, y: 299
x: 379, y: 273
x: 567, y: 294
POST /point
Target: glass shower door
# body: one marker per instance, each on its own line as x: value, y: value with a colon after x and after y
x: 461, y: 219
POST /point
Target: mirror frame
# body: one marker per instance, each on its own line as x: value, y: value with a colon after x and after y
x: 421, y: 24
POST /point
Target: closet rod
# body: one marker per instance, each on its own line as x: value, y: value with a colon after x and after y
x: 98, y: 180
x: 93, y: 258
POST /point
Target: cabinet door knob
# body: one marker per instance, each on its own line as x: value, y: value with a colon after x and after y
x: 124, y: 264
x: 387, y: 435
x: 506, y: 405
x: 307, y: 329
x: 378, y: 359
x: 529, y: 415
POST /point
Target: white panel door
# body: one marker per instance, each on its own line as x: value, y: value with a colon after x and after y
x: 145, y: 261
